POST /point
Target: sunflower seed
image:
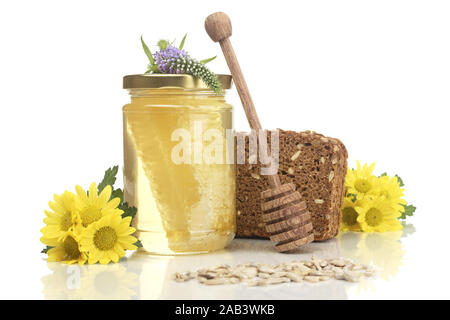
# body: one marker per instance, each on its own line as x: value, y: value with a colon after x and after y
x: 215, y: 281
x: 207, y: 275
x: 294, y: 277
x: 256, y: 176
x: 313, y: 270
x: 234, y: 280
x: 317, y: 265
x: 324, y: 278
x: 295, y: 155
x: 265, y: 269
x: 338, y: 263
x: 312, y: 279
x: 263, y: 275
x: 249, y: 272
x: 331, y: 176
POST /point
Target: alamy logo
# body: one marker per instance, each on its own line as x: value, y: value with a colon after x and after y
x: 214, y: 146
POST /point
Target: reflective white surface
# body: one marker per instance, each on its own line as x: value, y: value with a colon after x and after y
x: 386, y: 96
x: 149, y: 277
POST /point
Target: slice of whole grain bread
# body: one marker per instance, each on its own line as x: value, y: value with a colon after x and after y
x: 314, y: 163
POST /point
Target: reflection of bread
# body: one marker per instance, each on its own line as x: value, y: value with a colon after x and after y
x: 315, y: 164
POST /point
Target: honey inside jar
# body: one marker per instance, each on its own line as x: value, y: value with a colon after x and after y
x: 186, y: 207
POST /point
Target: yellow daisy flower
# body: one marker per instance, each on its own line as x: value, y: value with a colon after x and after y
x: 350, y: 212
x: 389, y: 188
x: 107, y: 239
x: 93, y: 207
x: 379, y: 216
x: 60, y: 220
x: 67, y: 251
x: 361, y: 181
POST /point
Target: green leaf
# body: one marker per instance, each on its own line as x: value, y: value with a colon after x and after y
x: 152, y: 69
x: 109, y: 178
x: 400, y: 181
x: 45, y: 250
x: 138, y: 244
x: 182, y: 42
x: 148, y: 52
x: 205, y: 61
x: 409, y: 211
x: 163, y: 44
x: 117, y: 193
x: 384, y: 174
x: 127, y: 210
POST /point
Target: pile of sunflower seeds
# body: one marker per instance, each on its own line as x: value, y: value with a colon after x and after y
x: 314, y: 270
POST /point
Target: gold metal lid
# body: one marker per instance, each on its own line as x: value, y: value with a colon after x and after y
x: 142, y: 81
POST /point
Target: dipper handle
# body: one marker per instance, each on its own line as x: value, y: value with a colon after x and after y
x: 218, y: 27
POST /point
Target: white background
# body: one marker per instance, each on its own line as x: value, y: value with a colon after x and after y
x: 375, y: 74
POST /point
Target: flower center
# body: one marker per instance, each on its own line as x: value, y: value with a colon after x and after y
x: 71, y: 248
x: 89, y: 215
x: 362, y: 185
x: 66, y: 221
x: 105, y: 238
x: 373, y: 217
x: 349, y: 216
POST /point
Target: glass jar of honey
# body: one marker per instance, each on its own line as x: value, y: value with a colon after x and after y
x: 178, y: 163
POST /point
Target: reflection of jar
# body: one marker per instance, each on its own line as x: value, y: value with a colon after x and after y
x: 176, y: 170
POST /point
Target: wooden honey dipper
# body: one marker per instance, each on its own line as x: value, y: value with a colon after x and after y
x: 287, y: 220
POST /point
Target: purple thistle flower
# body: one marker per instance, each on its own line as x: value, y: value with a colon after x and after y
x: 167, y: 59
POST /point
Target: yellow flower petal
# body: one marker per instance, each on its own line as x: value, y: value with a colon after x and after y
x: 104, y: 196
x: 81, y: 194
x: 93, y: 192
x: 61, y: 219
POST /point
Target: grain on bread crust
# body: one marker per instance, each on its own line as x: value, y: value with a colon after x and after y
x: 315, y: 164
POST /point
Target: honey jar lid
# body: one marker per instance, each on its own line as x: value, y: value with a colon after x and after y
x: 186, y: 81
